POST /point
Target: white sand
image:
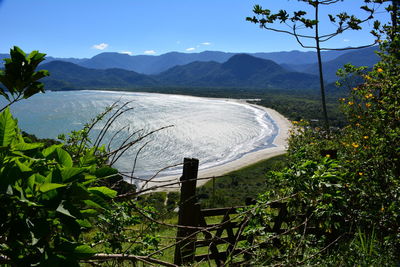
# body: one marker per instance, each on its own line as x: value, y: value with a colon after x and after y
x: 280, y: 142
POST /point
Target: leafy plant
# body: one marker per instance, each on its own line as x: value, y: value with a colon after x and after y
x: 47, y: 199
x: 53, y: 193
x: 20, y: 78
x: 341, y: 194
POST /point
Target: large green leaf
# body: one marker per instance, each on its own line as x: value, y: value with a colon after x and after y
x: 96, y: 200
x: 84, y: 223
x: 48, y: 151
x: 27, y: 146
x: 63, y: 157
x: 50, y: 186
x: 70, y: 174
x: 106, y: 172
x: 24, y: 167
x: 8, y: 128
x: 103, y: 191
x: 84, y: 251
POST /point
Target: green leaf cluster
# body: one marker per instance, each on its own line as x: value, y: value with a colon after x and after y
x: 20, y: 77
x: 342, y: 189
x: 48, y: 199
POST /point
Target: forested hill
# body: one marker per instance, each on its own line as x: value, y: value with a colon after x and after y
x: 66, y: 75
x: 240, y: 71
x: 361, y: 57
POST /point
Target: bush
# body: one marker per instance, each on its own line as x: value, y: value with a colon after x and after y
x: 47, y: 199
x: 342, y: 189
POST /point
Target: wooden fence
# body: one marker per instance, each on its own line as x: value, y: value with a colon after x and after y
x: 220, y: 239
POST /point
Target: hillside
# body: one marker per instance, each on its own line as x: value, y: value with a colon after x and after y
x: 239, y: 71
x: 361, y: 57
x: 65, y: 75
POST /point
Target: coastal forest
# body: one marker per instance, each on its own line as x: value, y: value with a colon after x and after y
x: 333, y: 199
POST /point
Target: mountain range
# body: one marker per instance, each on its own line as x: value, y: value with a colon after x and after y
x: 279, y: 70
x: 147, y: 64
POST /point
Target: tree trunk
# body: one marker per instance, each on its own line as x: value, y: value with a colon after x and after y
x: 321, y: 75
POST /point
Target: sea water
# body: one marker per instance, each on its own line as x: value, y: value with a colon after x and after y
x: 215, y: 131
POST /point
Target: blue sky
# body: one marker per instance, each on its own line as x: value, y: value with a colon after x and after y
x: 84, y: 28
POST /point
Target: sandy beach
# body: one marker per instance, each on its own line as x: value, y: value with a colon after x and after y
x: 170, y: 183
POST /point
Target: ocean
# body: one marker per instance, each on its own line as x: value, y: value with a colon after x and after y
x: 215, y: 131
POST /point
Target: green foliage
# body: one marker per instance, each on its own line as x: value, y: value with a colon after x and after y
x: 363, y: 250
x: 342, y: 189
x: 53, y: 194
x: 47, y: 199
x: 20, y: 78
x: 122, y: 229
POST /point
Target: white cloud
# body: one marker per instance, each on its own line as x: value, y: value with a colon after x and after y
x: 346, y: 40
x: 126, y: 53
x: 190, y: 49
x: 101, y: 46
x: 206, y: 43
x: 149, y: 52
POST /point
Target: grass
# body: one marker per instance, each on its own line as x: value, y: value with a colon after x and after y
x: 234, y: 188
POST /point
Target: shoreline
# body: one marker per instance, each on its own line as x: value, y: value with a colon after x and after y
x: 161, y: 184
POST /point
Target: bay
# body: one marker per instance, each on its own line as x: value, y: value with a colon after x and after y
x: 215, y: 131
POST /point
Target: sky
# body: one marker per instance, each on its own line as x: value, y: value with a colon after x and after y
x: 84, y: 28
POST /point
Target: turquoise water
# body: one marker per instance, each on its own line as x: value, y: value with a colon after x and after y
x: 214, y: 131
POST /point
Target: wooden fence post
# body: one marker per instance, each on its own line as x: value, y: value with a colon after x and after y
x: 185, y: 247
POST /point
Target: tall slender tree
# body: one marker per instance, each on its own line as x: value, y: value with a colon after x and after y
x: 298, y: 22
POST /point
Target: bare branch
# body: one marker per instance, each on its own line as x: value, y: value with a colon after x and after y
x: 136, y: 157
x: 115, y: 135
x: 287, y: 32
x: 350, y: 48
x: 113, y: 160
x: 128, y: 145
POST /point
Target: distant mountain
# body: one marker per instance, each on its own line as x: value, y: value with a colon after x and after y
x: 298, y: 57
x: 296, y: 61
x: 49, y: 59
x: 360, y: 57
x: 157, y: 64
x: 65, y: 75
x: 151, y: 64
x: 70, y: 60
x: 207, y: 69
x: 239, y: 71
